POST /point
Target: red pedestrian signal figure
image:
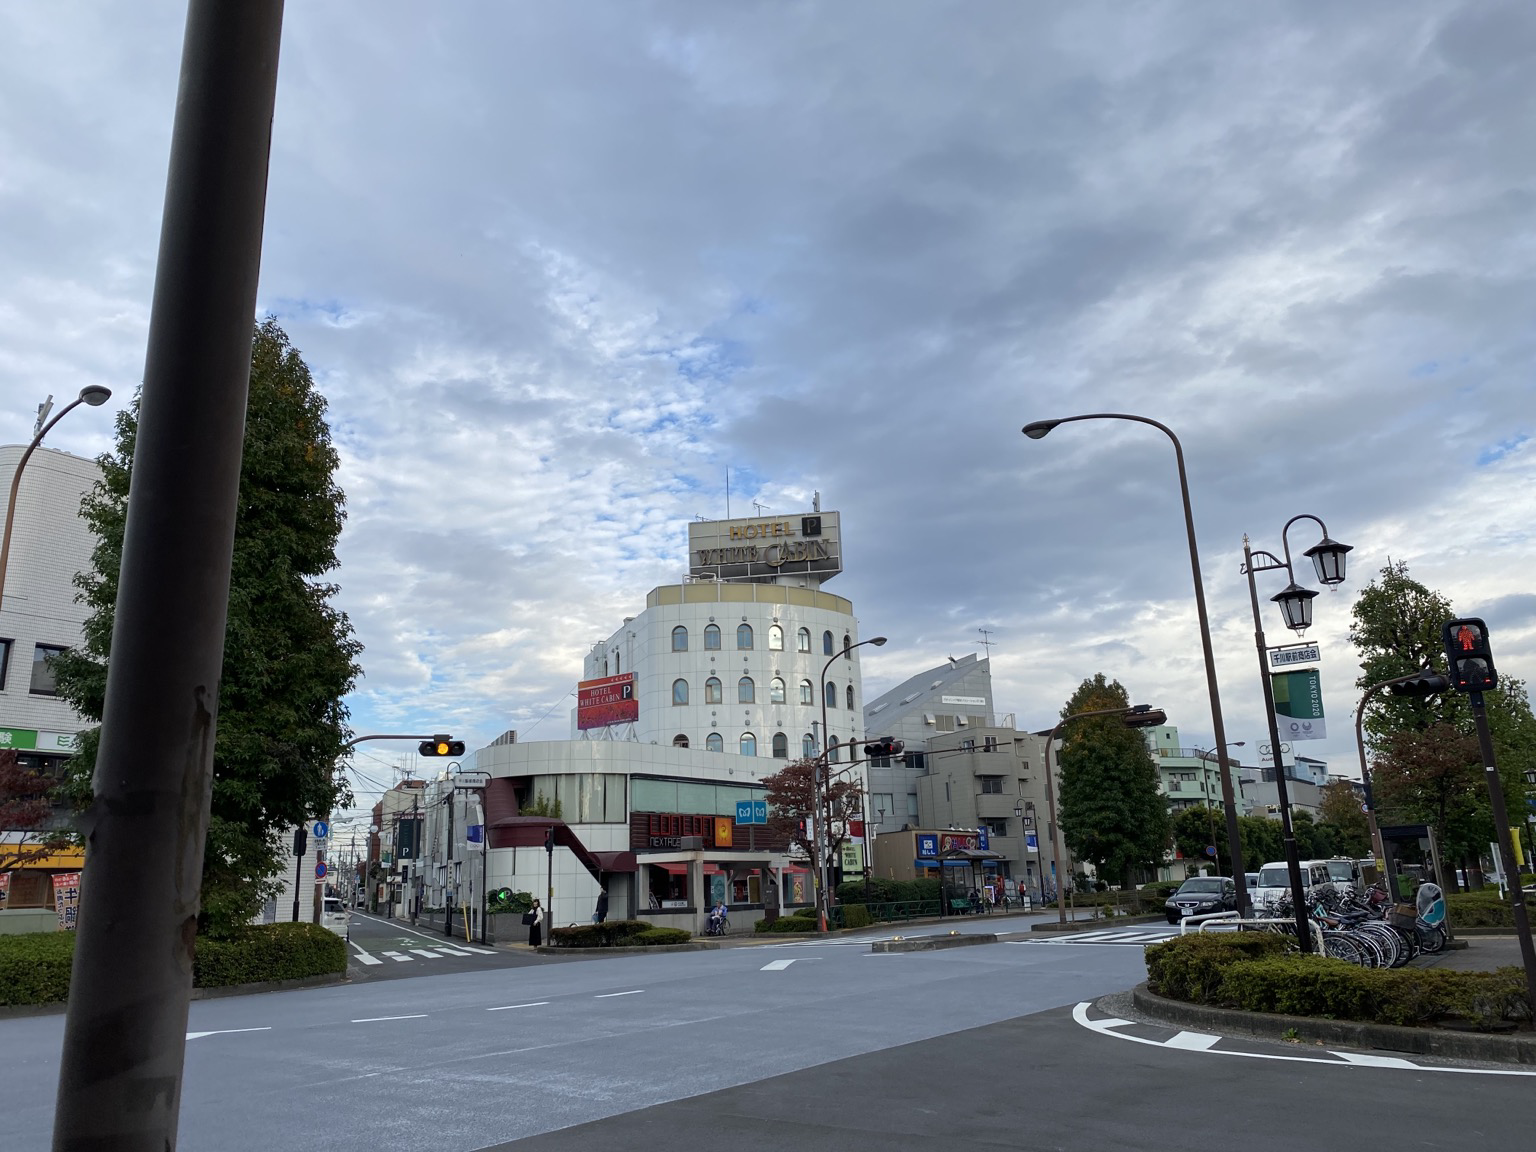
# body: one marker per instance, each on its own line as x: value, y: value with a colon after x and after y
x: 1468, y: 655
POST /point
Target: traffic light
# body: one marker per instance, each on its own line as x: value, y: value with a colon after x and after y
x: 300, y: 841
x: 883, y: 748
x: 1424, y: 683
x: 443, y: 745
x: 1468, y: 655
x: 549, y: 839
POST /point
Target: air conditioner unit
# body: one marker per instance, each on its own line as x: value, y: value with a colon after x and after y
x: 928, y: 718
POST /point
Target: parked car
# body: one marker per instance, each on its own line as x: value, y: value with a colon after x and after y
x: 1345, y: 874
x: 1275, y: 880
x: 1201, y: 894
x: 334, y: 915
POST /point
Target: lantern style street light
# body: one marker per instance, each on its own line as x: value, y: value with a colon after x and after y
x: 1039, y: 429
x: 1296, y: 605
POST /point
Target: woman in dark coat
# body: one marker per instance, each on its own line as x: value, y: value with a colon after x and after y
x: 536, y: 928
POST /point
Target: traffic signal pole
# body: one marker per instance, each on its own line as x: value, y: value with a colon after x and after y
x: 125, y: 1029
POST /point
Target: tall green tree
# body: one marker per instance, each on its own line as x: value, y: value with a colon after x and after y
x: 1112, y: 814
x: 289, y: 654
x: 1339, y: 812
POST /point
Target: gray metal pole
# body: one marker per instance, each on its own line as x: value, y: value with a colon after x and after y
x: 125, y: 1032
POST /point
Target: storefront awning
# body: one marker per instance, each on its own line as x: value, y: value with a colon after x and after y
x: 675, y: 868
x: 617, y: 861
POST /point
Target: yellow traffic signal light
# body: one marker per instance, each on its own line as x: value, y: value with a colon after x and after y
x: 441, y: 746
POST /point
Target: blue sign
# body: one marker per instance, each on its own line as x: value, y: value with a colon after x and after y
x: 1031, y: 842
x: 759, y: 811
x: 981, y: 839
x: 1210, y: 850
x: 751, y: 811
x: 320, y: 870
x: 743, y: 811
x: 927, y: 844
x: 321, y: 829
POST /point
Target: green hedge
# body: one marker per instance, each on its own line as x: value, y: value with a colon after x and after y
x: 787, y: 924
x: 885, y: 891
x: 35, y: 967
x: 1479, y: 910
x: 808, y: 912
x: 661, y: 936
x: 608, y: 934
x: 1251, y: 972
x: 855, y: 916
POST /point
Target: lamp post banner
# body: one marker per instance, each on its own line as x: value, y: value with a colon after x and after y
x: 1299, y: 704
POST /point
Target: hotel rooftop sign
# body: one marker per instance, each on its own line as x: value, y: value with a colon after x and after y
x: 766, y: 547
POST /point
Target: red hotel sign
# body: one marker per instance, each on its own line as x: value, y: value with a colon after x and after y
x: 610, y: 700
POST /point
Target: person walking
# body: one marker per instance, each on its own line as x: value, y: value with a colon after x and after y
x: 536, y: 925
x: 602, y: 906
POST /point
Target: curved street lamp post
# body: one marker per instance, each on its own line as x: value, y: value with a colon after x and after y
x: 1209, y: 754
x: 1422, y: 683
x: 92, y: 394
x: 1041, y: 428
x: 1135, y: 716
x: 1295, y: 602
x: 821, y: 796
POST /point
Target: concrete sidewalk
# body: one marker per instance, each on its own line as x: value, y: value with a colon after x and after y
x: 1481, y: 954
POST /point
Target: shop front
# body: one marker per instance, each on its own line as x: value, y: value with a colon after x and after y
x: 692, y: 862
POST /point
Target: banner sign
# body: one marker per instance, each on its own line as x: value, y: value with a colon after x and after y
x: 1299, y: 705
x: 66, y: 898
x: 952, y: 841
x: 610, y: 700
x: 1031, y: 842
x: 1290, y: 655
x: 927, y: 845
x: 852, y: 856
x: 5, y: 886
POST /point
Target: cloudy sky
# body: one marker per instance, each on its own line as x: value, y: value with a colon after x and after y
x: 559, y: 267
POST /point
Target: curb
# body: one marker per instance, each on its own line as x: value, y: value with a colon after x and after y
x: 1480, y: 1046
x: 932, y: 943
x: 56, y: 1007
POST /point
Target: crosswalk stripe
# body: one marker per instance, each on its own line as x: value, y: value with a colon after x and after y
x: 396, y: 956
x: 366, y: 957
x: 482, y: 951
x: 453, y: 951
x: 424, y: 954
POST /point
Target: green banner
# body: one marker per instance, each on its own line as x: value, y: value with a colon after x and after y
x: 1299, y: 705
x: 22, y: 739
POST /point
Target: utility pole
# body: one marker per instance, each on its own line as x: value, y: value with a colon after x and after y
x: 126, y: 1025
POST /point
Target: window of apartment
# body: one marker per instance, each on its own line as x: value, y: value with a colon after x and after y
x: 42, y: 672
x: 847, y: 646
x: 748, y: 744
x: 775, y: 691
x: 807, y: 693
x: 712, y: 638
x: 808, y: 746
x: 996, y: 827
x: 968, y: 745
x: 850, y: 697
x: 826, y: 643
x: 918, y: 760
x: 833, y: 750
x: 746, y: 691
x: 714, y: 691
x: 831, y: 696
x: 679, y: 741
x: 679, y: 691
x: 744, y: 637
x: 5, y: 661
x: 780, y: 746
x: 714, y: 742
x: 803, y: 640
x: 679, y: 639
x: 775, y: 639
x: 992, y: 785
x: 943, y: 723
x: 911, y: 805
x: 989, y: 743
x: 885, y: 804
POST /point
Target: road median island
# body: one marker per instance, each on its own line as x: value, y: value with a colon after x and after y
x: 1259, y: 985
x: 932, y: 943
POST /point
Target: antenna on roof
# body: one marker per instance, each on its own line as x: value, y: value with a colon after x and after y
x: 986, y: 640
x: 815, y: 501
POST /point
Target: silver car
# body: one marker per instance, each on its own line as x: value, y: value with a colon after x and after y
x: 334, y: 915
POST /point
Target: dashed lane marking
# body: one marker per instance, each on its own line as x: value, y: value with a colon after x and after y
x: 380, y: 1019
x: 611, y: 995
x: 509, y: 1007
x: 225, y: 1032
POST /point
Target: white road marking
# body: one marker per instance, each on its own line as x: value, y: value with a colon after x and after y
x: 377, y: 1019
x: 453, y: 951
x: 225, y: 1032
x: 396, y: 956
x: 509, y: 1007
x: 611, y: 995
x: 1193, y: 1041
x: 776, y: 965
x: 1372, y: 1061
x: 1107, y: 1027
x: 422, y: 952
x: 366, y: 957
x: 482, y: 951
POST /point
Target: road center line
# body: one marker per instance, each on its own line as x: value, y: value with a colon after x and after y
x: 509, y: 1007
x: 377, y: 1019
x: 611, y: 995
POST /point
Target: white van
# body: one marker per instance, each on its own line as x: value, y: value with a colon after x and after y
x: 1275, y: 879
x: 1345, y: 874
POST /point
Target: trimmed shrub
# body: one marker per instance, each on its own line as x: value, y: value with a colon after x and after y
x: 808, y: 912
x: 35, y: 966
x: 661, y: 936
x: 268, y: 952
x: 1161, y: 889
x: 1479, y: 910
x: 855, y: 916
x: 787, y: 924
x: 1193, y: 967
x: 608, y: 934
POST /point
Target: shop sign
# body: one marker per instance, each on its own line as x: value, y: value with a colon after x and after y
x: 21, y: 739
x: 679, y: 831
x: 609, y: 700
x: 852, y: 856
x: 763, y: 548
x: 927, y: 844
x: 955, y: 841
x: 66, y: 898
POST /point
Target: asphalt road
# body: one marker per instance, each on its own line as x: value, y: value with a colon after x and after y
x: 382, y: 949
x: 800, y: 1044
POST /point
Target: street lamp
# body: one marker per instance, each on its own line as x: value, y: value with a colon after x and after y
x: 1039, y: 429
x: 1206, y: 755
x: 1135, y: 716
x: 824, y: 803
x: 92, y: 394
x: 1296, y: 605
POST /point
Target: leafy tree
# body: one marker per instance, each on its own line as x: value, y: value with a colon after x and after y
x: 1263, y: 841
x: 1112, y: 814
x: 289, y: 654
x: 791, y: 797
x: 1340, y: 813
x: 27, y: 815
x: 1192, y: 835
x: 542, y: 805
x: 1435, y: 776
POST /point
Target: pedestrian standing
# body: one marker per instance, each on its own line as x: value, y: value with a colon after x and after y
x: 536, y: 925
x: 602, y: 906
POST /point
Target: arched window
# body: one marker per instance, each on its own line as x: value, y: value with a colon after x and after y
x: 748, y: 744
x: 712, y: 638
x: 847, y: 647
x: 605, y: 665
x: 679, y: 691
x: 679, y: 639
x: 831, y: 694
x: 617, y: 671
x: 775, y: 639
x: 807, y: 693
x: 803, y: 640
x: 679, y: 741
x: 776, y: 691
x: 826, y: 643
x: 780, y: 746
x: 746, y: 691
x: 850, y: 697
x: 714, y: 692
x: 744, y: 636
x: 714, y: 743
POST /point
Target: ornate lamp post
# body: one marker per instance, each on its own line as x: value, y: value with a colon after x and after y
x: 1296, y: 606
